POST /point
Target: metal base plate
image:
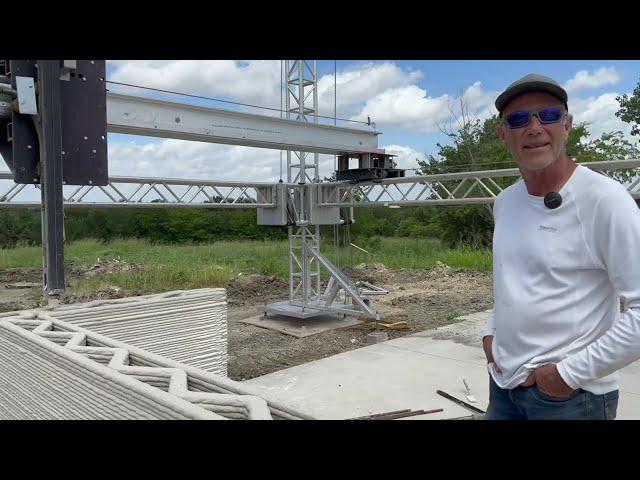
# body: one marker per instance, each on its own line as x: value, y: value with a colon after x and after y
x: 301, y: 328
x: 314, y: 308
x: 285, y: 308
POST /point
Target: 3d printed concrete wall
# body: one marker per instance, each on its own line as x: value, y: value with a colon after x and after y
x: 50, y: 369
x: 189, y: 326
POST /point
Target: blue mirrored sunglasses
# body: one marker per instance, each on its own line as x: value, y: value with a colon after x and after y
x: 544, y: 116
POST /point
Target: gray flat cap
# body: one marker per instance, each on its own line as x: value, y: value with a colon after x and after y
x: 531, y: 83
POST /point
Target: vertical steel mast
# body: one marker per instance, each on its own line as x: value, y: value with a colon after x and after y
x: 341, y: 295
x: 301, y: 103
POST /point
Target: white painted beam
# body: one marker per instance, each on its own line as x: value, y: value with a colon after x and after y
x: 158, y: 118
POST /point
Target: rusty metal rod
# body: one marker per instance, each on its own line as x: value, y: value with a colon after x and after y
x: 375, y: 415
x: 396, y: 414
x: 411, y: 414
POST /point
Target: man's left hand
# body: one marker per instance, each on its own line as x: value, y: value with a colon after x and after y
x: 549, y: 381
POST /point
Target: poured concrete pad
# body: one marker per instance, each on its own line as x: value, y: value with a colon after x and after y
x: 404, y: 373
x: 301, y: 327
x: 389, y: 376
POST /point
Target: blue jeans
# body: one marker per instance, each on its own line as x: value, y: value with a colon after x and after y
x: 529, y: 403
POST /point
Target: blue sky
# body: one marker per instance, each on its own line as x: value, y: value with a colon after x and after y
x: 408, y: 101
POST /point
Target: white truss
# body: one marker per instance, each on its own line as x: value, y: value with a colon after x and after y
x: 466, y: 188
x: 147, y: 192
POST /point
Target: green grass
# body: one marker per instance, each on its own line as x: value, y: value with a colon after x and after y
x: 175, y: 267
x: 413, y: 253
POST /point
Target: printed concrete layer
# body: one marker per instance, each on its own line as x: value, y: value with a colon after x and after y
x: 66, y: 369
x: 188, y: 326
x: 41, y: 380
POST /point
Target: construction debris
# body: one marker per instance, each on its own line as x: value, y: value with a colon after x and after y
x: 459, y: 402
x: 397, y: 414
x: 469, y: 395
x: 395, y: 326
x: 22, y: 285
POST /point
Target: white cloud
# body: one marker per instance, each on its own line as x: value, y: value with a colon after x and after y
x: 480, y: 101
x: 172, y: 158
x: 359, y: 83
x: 255, y: 82
x: 384, y: 92
x: 406, y: 107
x: 406, y: 156
x: 183, y: 159
x: 584, y: 80
x: 478, y: 104
x: 599, y: 113
x: 411, y: 108
x: 258, y: 82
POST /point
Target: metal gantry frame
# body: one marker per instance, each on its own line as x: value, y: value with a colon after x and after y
x: 309, y: 202
x: 306, y: 299
x: 470, y: 188
x: 341, y: 295
x: 52, y: 200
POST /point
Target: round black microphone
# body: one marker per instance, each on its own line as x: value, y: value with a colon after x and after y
x: 552, y: 200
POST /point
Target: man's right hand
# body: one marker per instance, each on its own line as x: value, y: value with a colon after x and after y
x: 487, y: 344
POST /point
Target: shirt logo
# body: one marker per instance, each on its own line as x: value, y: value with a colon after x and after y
x: 548, y: 229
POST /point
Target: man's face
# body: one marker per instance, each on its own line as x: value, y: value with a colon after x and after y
x: 536, y: 145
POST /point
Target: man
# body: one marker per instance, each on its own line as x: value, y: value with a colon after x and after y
x: 556, y: 337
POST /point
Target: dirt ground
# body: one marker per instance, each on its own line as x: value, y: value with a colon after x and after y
x: 424, y: 299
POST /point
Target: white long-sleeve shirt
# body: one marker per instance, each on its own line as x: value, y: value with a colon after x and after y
x: 558, y: 277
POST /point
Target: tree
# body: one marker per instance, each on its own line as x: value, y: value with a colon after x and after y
x: 609, y: 147
x: 630, y: 110
x: 474, y: 146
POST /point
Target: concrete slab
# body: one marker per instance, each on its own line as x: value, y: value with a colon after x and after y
x: 380, y: 378
x: 299, y: 327
x: 405, y: 373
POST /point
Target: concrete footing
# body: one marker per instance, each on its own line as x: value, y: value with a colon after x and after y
x: 376, y: 337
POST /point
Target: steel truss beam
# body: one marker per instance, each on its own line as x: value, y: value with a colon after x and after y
x: 466, y: 188
x: 151, y: 192
x: 159, y: 118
